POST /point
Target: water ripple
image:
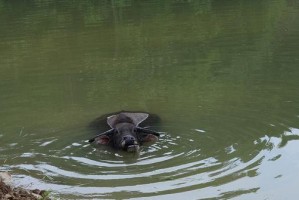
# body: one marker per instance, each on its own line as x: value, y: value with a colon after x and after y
x: 184, y: 167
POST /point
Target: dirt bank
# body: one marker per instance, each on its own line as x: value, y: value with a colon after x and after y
x: 8, y: 192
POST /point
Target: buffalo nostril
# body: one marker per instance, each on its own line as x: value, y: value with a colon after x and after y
x: 128, y: 138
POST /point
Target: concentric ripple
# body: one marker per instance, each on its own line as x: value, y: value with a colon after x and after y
x: 180, y: 164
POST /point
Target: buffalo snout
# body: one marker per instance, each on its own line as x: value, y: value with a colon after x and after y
x: 129, y: 140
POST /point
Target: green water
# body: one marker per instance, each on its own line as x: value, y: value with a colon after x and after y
x: 222, y: 75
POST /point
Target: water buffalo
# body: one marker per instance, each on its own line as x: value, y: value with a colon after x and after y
x: 125, y: 133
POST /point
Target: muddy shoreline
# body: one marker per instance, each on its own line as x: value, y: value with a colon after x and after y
x: 9, y: 192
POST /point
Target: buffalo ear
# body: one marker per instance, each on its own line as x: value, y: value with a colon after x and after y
x: 149, y: 138
x: 146, y: 135
x: 102, y: 139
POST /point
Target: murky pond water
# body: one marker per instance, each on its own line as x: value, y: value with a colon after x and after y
x: 222, y: 75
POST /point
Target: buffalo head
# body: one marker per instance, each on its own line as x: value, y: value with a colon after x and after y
x: 125, y: 134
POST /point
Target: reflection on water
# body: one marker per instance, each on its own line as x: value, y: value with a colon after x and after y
x: 222, y: 76
x: 164, y: 172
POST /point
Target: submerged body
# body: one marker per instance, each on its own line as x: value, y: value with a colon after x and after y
x: 125, y: 133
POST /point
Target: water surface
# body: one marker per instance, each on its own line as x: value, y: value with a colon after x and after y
x: 222, y: 76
